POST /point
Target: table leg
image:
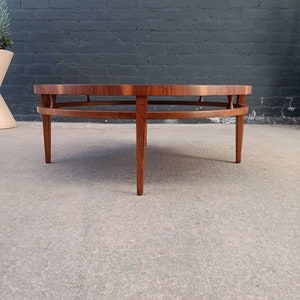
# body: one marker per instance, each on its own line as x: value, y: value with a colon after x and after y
x: 239, y: 137
x: 47, y: 137
x: 241, y: 100
x: 141, y: 141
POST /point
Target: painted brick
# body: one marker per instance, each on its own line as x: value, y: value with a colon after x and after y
x: 275, y: 4
x: 30, y: 4
x: 244, y: 4
x: 157, y: 41
x: 62, y: 4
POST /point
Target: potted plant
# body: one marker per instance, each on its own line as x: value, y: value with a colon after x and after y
x: 6, y: 118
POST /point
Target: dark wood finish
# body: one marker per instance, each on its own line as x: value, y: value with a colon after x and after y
x: 141, y: 90
x: 45, y: 100
x: 50, y: 106
x: 47, y: 137
x: 241, y: 100
x: 141, y: 141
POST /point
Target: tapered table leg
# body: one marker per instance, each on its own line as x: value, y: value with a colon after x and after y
x: 141, y: 141
x: 47, y: 137
x: 239, y: 137
x: 241, y: 100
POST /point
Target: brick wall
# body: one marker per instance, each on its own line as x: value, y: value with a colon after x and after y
x: 253, y: 42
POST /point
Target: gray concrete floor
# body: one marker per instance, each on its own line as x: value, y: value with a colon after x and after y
x: 206, y: 228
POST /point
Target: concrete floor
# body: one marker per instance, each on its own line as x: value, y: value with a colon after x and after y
x: 206, y: 228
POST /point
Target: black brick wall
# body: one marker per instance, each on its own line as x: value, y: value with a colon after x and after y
x: 253, y: 42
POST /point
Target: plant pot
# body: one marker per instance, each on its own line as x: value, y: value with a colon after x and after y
x: 6, y: 118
